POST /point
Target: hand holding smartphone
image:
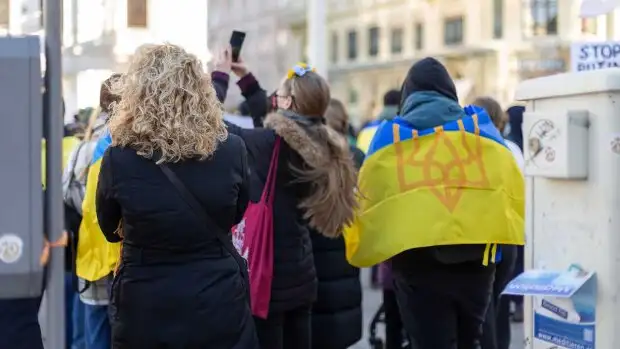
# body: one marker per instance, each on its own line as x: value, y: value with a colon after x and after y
x: 236, y: 42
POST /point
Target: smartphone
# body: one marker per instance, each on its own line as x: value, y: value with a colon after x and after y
x: 236, y: 41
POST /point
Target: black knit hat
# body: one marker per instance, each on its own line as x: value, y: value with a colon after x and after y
x: 428, y: 74
x: 391, y: 98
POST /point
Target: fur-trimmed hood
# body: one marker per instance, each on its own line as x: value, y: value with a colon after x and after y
x: 330, y: 172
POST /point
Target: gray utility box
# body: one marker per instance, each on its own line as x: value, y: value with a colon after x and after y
x: 21, y: 193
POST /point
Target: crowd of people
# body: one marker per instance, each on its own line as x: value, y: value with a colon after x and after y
x: 156, y: 180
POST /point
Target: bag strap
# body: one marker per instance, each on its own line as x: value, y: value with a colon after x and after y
x: 74, y: 161
x: 191, y: 200
x: 270, y: 183
x: 73, y: 241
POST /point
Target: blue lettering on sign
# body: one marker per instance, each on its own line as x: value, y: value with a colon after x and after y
x: 599, y: 51
x: 539, y: 289
x: 564, y: 334
x: 594, y: 56
x: 597, y: 65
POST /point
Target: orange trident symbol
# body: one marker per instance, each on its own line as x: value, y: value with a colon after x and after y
x: 447, y: 175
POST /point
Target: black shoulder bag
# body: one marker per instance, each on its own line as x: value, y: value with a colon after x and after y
x: 191, y: 200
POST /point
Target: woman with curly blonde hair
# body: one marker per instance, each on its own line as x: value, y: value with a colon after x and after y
x: 177, y: 285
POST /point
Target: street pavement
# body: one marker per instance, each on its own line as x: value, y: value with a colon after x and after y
x: 372, y: 301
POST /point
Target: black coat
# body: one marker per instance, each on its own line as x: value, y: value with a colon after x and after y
x: 294, y: 277
x: 337, y: 313
x: 177, y: 287
x: 294, y: 282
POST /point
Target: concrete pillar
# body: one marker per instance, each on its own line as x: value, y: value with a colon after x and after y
x: 317, y: 35
x: 15, y: 17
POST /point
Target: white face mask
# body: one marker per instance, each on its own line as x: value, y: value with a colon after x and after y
x: 507, y: 130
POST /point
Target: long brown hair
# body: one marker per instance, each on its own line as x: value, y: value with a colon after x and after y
x: 336, y: 116
x: 495, y: 111
x: 331, y: 202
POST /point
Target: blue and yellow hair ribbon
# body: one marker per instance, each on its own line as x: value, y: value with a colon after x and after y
x: 299, y: 70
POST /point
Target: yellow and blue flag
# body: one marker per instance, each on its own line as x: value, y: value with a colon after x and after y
x: 366, y: 135
x: 96, y: 257
x: 450, y: 185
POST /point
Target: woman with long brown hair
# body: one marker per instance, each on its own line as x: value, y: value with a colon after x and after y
x: 314, y: 192
x: 337, y: 312
x: 171, y: 185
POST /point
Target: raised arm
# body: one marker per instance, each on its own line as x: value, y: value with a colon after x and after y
x: 220, y: 75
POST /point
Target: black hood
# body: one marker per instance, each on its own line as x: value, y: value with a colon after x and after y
x: 428, y: 74
x: 515, y: 120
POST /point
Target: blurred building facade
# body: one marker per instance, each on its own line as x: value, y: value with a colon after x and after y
x: 99, y: 36
x: 489, y: 46
x: 271, y: 45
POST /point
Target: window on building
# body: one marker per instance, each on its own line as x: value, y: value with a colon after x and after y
x: 589, y: 25
x: 4, y: 13
x: 353, y: 97
x: 419, y: 36
x: 453, y: 31
x: 137, y: 13
x: 540, y: 17
x: 498, y: 19
x: 397, y: 40
x: 352, y: 45
x: 334, y: 48
x: 373, y: 41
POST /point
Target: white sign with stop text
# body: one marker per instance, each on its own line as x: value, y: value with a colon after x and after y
x: 595, y: 55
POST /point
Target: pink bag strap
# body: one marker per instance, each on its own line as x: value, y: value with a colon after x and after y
x: 270, y: 183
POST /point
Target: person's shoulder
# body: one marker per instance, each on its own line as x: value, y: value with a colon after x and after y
x: 233, y: 140
x: 513, y: 148
x: 231, y: 146
x: 258, y: 139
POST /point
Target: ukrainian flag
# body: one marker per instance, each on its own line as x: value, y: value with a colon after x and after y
x: 366, y: 135
x: 96, y: 257
x: 450, y: 185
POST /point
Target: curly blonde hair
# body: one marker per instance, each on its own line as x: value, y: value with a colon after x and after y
x: 167, y: 105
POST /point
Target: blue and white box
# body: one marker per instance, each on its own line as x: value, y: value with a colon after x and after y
x: 564, y: 306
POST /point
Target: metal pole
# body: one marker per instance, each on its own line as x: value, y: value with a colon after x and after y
x: 610, y: 25
x: 317, y: 35
x: 55, y: 311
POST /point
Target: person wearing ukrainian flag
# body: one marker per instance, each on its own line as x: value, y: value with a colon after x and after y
x: 439, y: 191
x: 391, y: 99
x: 96, y: 257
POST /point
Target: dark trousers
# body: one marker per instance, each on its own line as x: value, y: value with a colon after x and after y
x: 496, y: 329
x: 444, y: 306
x: 287, y: 330
x: 519, y: 268
x: 19, y: 324
x: 393, y: 323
